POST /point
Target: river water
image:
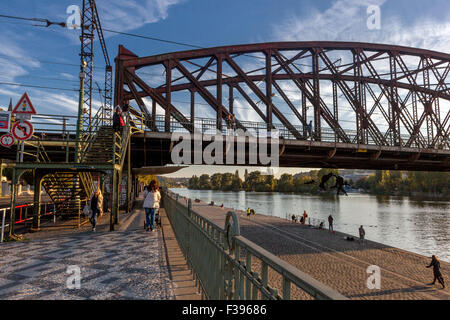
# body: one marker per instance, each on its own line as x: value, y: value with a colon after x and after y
x: 415, y: 225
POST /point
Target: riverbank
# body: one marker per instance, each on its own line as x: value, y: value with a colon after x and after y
x: 420, y: 226
x: 336, y: 262
x: 330, y: 193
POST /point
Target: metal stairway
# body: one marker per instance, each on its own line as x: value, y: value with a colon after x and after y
x: 102, y: 147
x: 69, y: 191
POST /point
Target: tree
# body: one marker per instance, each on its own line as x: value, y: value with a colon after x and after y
x: 194, y: 183
x: 204, y: 182
x: 237, y: 182
x: 227, y: 181
x: 147, y: 179
x: 286, y: 183
x: 271, y: 183
x: 255, y: 182
x: 216, y: 181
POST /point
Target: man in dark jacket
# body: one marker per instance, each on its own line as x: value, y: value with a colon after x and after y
x: 436, y: 271
x: 117, y: 120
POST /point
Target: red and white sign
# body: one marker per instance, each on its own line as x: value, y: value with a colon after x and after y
x: 7, y: 140
x: 5, y: 121
x: 22, y: 130
x: 24, y: 105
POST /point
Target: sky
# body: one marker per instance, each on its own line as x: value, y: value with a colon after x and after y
x: 39, y: 56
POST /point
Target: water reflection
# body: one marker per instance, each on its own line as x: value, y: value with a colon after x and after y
x: 420, y: 226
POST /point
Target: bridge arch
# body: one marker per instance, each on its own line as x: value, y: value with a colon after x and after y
x: 384, y: 95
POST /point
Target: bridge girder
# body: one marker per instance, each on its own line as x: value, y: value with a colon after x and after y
x: 391, y: 95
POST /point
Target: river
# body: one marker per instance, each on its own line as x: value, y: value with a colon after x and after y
x: 415, y: 225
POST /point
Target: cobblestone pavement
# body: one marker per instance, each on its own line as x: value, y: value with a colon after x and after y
x: 340, y: 264
x: 119, y: 265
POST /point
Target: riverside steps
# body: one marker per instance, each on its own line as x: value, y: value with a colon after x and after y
x: 332, y: 260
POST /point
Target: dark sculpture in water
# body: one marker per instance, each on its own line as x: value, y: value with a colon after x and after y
x: 340, y: 183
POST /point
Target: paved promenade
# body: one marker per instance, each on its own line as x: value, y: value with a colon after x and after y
x: 127, y: 264
x: 338, y: 263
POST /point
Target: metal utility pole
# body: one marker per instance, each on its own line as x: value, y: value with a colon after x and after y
x: 87, y: 55
x: 80, y: 113
x: 90, y: 24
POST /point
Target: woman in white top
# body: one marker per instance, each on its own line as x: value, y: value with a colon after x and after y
x: 152, y: 197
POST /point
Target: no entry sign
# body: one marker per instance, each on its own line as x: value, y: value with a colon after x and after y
x: 22, y: 130
x: 7, y: 140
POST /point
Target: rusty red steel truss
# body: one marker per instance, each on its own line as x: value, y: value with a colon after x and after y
x: 387, y: 95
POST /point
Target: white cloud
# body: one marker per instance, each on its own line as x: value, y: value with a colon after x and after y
x: 346, y: 20
x: 13, y: 60
x: 132, y: 14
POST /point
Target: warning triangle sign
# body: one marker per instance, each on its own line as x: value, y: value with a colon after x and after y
x: 24, y: 105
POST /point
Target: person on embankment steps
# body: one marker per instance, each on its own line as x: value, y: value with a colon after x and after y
x: 436, y: 271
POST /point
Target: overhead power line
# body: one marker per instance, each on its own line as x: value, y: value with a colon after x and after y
x: 46, y: 21
x: 154, y: 39
x: 35, y: 86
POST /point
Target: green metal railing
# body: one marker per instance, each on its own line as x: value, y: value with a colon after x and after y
x: 227, y: 266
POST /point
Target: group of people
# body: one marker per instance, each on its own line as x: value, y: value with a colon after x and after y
x: 362, y: 234
x: 231, y: 121
x: 152, y: 199
x: 250, y: 212
x: 302, y: 218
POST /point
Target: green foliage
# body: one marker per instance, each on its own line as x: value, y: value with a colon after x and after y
x: 383, y: 182
x: 204, y: 182
x: 411, y: 183
x: 194, y: 183
x: 216, y: 181
x: 227, y: 181
x: 147, y: 179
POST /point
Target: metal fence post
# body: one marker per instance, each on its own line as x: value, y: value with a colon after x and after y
x: 3, y: 224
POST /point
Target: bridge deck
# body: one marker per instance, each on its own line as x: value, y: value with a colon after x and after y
x: 338, y: 263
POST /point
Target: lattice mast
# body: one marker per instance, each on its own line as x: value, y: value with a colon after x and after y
x: 90, y: 23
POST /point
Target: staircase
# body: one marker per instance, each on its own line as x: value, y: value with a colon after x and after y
x: 69, y: 191
x: 102, y: 147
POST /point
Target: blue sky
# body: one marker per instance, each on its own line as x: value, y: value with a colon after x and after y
x: 25, y: 49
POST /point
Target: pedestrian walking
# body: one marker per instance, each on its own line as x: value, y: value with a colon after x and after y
x: 362, y: 234
x: 330, y: 223
x: 436, y: 271
x: 96, y: 206
x: 249, y: 212
x: 309, y: 128
x: 229, y: 121
x: 233, y: 120
x: 152, y: 198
